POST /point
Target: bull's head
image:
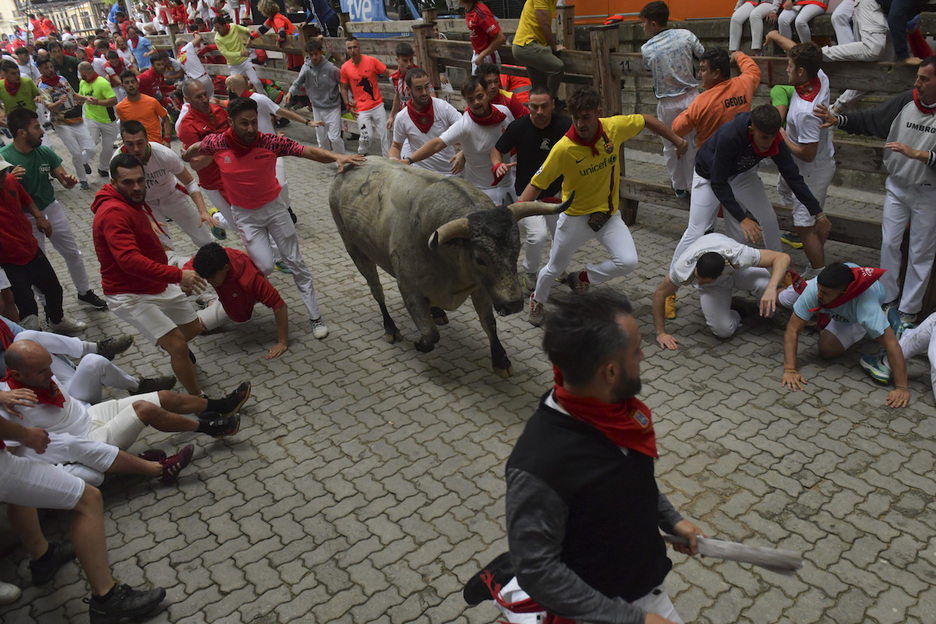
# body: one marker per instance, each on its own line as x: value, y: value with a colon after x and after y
x: 495, y: 246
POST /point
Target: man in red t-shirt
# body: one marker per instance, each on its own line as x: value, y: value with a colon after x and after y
x: 485, y: 34
x: 239, y: 286
x: 365, y: 103
x: 491, y: 78
x: 24, y: 263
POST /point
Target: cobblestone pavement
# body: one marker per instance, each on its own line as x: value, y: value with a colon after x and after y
x: 366, y: 484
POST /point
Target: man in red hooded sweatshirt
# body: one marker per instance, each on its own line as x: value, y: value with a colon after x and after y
x: 139, y: 285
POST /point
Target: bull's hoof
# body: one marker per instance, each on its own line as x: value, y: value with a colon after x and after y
x: 395, y: 337
x: 439, y: 316
x: 504, y: 373
x: 424, y: 347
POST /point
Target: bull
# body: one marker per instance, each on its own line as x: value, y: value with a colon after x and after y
x: 441, y: 238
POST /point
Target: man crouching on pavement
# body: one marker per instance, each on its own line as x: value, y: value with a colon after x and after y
x: 583, y: 510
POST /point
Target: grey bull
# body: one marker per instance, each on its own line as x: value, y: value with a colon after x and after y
x: 441, y: 238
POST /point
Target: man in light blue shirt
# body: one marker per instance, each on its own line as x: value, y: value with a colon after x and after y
x: 141, y: 47
x: 848, y: 301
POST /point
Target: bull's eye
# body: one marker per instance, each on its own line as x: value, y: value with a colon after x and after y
x: 480, y: 261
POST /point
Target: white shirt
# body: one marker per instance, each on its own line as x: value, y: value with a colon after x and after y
x: 803, y: 126
x: 127, y: 57
x: 736, y: 255
x: 72, y: 418
x: 30, y: 70
x: 161, y: 170
x: 98, y: 64
x: 477, y: 142
x: 192, y: 65
x: 265, y: 108
x: 444, y: 116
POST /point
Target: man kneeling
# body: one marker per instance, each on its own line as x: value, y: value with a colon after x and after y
x: 704, y: 262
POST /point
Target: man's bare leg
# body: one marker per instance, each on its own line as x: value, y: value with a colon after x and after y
x: 812, y: 247
x: 176, y: 345
x: 125, y: 463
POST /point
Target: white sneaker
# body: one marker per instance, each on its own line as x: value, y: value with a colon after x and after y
x: 319, y: 328
x: 31, y: 322
x: 537, y: 313
x: 9, y: 593
x: 67, y: 326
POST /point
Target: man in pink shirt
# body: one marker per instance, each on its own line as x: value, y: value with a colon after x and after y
x: 246, y: 159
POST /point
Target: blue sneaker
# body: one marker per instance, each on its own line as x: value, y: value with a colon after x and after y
x: 875, y: 367
x: 280, y: 266
x: 219, y: 232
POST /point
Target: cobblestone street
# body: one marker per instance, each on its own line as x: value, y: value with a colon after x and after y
x: 367, y: 482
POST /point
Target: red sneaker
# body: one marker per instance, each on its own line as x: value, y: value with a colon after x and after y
x: 173, y: 465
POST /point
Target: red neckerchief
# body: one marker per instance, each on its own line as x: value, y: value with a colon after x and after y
x: 493, y: 119
x: 12, y: 92
x: 6, y: 335
x: 809, y: 91
x: 237, y: 146
x: 52, y: 82
x: 926, y: 110
x: 864, y: 279
x: 574, y: 135
x: 50, y: 396
x: 422, y: 119
x: 628, y: 424
x: 771, y: 151
x: 145, y: 159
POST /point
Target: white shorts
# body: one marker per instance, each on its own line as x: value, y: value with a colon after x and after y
x: 84, y: 458
x: 32, y: 483
x: 116, y: 422
x: 846, y: 333
x: 154, y: 316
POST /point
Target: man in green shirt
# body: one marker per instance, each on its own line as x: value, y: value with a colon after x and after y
x: 40, y: 162
x: 65, y: 66
x: 99, y: 100
x: 16, y: 90
x: 231, y: 40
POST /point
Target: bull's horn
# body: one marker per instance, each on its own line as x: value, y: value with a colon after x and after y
x: 449, y: 231
x: 533, y: 208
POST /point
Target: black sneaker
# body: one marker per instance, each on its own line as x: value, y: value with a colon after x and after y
x: 218, y: 426
x: 292, y: 215
x: 235, y: 400
x: 104, y: 173
x: 87, y: 168
x: 124, y: 602
x: 476, y: 590
x: 114, y: 346
x: 155, y: 384
x: 43, y: 570
x: 84, y: 186
x: 93, y: 300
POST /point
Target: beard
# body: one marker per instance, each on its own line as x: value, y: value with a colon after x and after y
x: 627, y: 388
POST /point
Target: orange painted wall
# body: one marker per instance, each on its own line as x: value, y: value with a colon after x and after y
x: 679, y: 9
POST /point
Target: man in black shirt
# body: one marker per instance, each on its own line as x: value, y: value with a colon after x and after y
x: 65, y: 66
x: 584, y: 513
x: 532, y: 136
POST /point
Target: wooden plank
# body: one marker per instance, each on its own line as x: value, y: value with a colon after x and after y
x: 422, y: 36
x: 859, y: 232
x: 458, y: 25
x: 403, y: 28
x: 565, y: 26
x: 282, y: 76
x: 609, y: 88
x: 371, y: 47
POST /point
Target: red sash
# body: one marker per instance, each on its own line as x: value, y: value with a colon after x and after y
x: 422, y: 119
x: 926, y: 110
x: 864, y: 279
x: 50, y: 396
x: 574, y: 135
x: 628, y: 424
x: 12, y: 91
x: 771, y: 151
x: 493, y: 119
x: 810, y: 91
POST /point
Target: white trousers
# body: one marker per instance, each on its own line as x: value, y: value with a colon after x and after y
x: 374, y: 120
x: 329, y: 135
x: 800, y: 17
x: 281, y: 178
x: 33, y: 483
x: 916, y: 206
x: 658, y: 601
x: 842, y: 22
x: 870, y: 30
x: 272, y: 220
x: 63, y: 240
x: 535, y: 236
x: 103, y: 134
x: 818, y: 175
x: 246, y: 68
x: 86, y: 381
x: 179, y: 207
x: 571, y: 233
x: 78, y: 142
x: 716, y: 298
x: 920, y: 340
x: 680, y: 169
x: 756, y: 14
x: 703, y: 209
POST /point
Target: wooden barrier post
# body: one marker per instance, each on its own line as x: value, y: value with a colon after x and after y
x: 422, y: 33
x: 430, y: 15
x: 565, y: 26
x: 609, y: 89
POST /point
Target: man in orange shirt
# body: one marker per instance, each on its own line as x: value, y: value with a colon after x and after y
x: 366, y: 104
x: 723, y: 97
x: 143, y: 108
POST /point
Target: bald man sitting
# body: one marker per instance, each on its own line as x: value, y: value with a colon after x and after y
x: 91, y: 441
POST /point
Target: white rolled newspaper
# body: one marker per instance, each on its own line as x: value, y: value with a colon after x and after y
x: 780, y: 561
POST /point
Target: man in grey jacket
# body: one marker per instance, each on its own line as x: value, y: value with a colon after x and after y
x: 320, y: 79
x: 908, y: 123
x: 583, y: 510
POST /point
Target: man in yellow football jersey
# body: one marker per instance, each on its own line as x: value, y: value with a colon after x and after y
x: 587, y: 158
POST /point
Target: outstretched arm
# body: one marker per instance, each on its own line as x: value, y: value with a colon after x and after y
x: 792, y: 380
x: 325, y: 156
x: 664, y: 290
x: 658, y: 128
